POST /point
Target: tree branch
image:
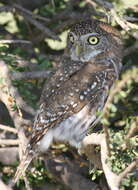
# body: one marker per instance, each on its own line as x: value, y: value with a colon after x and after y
x: 3, y: 186
x: 5, y: 73
x: 28, y: 12
x: 30, y: 17
x: 30, y: 75
x: 7, y: 128
x: 9, y: 142
x: 15, y: 42
x: 113, y: 179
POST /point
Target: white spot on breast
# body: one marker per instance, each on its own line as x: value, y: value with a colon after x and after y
x: 88, y: 90
x: 38, y: 143
x: 62, y: 106
x: 60, y: 113
x: 31, y: 151
x: 74, y: 105
x: 93, y: 85
x: 81, y: 97
x: 67, y: 107
x: 71, y: 103
x: 77, y: 90
x: 85, y: 92
x: 38, y: 128
x: 49, y: 114
x: 97, y: 78
x: 43, y: 120
x: 71, y: 94
x: 61, y: 78
x: 53, y: 119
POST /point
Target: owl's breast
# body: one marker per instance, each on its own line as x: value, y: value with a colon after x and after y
x: 82, y: 88
x: 72, y: 107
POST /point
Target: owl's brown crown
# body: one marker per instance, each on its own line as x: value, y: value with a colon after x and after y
x: 92, y: 25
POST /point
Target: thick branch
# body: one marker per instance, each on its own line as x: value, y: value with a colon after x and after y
x: 9, y: 142
x: 17, y: 119
x: 113, y: 179
x: 3, y: 186
x: 5, y: 73
x: 7, y: 128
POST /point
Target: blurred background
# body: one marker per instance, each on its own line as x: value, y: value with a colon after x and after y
x: 32, y: 41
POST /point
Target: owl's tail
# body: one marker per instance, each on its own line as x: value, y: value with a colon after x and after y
x: 25, y: 161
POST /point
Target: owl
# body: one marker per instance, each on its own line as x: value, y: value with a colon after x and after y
x: 77, y: 89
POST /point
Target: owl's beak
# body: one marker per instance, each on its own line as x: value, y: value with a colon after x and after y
x: 78, y: 50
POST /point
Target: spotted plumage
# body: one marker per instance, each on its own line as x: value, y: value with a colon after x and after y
x: 77, y: 89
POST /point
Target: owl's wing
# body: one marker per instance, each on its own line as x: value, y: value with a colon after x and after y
x: 65, y: 70
x: 82, y: 87
x: 56, y: 81
x: 88, y: 85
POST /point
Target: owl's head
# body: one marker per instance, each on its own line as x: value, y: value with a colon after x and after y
x: 88, y: 39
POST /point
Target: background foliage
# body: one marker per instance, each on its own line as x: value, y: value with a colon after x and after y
x: 46, y: 22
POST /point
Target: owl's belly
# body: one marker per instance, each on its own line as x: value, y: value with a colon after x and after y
x: 72, y: 130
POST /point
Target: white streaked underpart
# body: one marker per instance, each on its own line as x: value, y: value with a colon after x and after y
x: 71, y: 130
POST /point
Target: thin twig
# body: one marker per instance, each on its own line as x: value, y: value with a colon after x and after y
x: 122, y: 22
x: 32, y: 19
x: 26, y: 11
x: 17, y: 119
x: 7, y: 128
x: 15, y: 42
x: 128, y: 169
x: 130, y: 18
x: 9, y: 142
x: 130, y: 49
x: 106, y: 112
x: 105, y: 4
x: 42, y: 27
x: 6, y: 8
x: 30, y: 75
x: 117, y: 88
x: 133, y: 130
x: 127, y: 26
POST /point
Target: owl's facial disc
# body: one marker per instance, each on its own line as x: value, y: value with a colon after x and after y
x: 84, y: 48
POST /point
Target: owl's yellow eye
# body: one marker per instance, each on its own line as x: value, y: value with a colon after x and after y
x: 71, y: 37
x: 93, y: 40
